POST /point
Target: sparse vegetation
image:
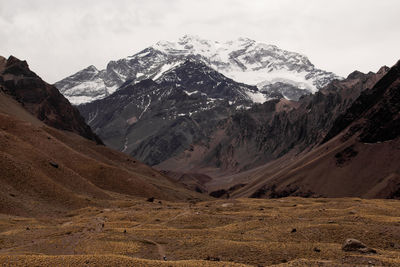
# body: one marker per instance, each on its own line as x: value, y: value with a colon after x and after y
x: 255, y: 232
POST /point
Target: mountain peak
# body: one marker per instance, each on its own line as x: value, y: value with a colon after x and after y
x: 355, y: 74
x: 383, y: 69
x: 190, y: 37
x: 92, y: 68
x: 245, y: 40
x: 162, y: 43
x: 13, y: 60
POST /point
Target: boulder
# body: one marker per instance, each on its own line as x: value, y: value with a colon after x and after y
x: 355, y: 245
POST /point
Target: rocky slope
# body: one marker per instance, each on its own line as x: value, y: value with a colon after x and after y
x: 263, y: 133
x: 359, y: 156
x: 376, y: 110
x: 243, y: 60
x: 41, y: 99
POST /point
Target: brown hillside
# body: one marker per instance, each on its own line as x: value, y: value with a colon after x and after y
x: 44, y: 170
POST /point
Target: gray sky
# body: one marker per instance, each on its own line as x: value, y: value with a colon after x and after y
x: 58, y: 37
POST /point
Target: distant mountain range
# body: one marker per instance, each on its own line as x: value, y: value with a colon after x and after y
x: 193, y: 118
x: 170, y: 99
x: 205, y: 131
x: 238, y: 118
x: 271, y: 69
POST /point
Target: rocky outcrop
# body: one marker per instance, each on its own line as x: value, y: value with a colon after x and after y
x: 41, y: 99
x: 376, y: 110
x: 354, y: 245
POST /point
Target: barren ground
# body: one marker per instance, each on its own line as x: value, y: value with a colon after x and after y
x: 255, y: 232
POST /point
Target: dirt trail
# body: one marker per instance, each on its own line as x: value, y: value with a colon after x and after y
x: 161, y: 251
x: 186, y: 211
x: 161, y: 248
x: 71, y: 242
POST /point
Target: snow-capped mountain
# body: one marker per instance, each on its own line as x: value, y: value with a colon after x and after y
x: 242, y: 60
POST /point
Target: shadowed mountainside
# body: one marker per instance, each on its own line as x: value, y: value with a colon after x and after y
x: 360, y: 156
x: 268, y: 131
x: 41, y: 99
x: 158, y: 120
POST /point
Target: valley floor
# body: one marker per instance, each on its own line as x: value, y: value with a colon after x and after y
x: 240, y: 232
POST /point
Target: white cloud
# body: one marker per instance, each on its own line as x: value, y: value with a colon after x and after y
x: 58, y: 38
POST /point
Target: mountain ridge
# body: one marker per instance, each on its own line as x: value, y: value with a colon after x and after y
x: 358, y: 157
x: 242, y: 60
x: 265, y: 132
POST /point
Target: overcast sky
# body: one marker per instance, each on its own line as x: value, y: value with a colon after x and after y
x: 58, y: 38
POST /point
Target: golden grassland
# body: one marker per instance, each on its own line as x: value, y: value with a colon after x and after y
x: 240, y: 232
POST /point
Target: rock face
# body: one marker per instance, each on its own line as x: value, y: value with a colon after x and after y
x: 41, y: 99
x: 357, y: 246
x: 158, y: 120
x: 377, y: 111
x: 243, y: 60
x: 268, y: 131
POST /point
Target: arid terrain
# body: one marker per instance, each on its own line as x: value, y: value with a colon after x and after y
x: 241, y: 232
x: 68, y: 200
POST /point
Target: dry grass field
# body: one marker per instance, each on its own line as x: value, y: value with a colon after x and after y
x: 240, y: 232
